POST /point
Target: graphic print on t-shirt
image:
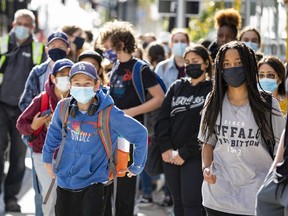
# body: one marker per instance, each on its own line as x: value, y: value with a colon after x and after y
x: 237, y: 135
x: 119, y: 83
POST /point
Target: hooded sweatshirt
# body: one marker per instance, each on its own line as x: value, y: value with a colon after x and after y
x: 180, y: 116
x: 84, y: 160
x: 25, y: 119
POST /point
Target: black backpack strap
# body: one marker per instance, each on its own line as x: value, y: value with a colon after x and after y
x: 269, y: 142
x: 178, y: 86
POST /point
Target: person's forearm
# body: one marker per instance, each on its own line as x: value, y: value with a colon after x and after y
x: 280, y: 151
x: 207, y: 155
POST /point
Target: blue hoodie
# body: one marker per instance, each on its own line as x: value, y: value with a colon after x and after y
x: 84, y: 160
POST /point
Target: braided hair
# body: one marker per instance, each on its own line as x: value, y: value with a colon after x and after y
x: 260, y: 107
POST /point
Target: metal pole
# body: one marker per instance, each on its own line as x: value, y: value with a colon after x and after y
x: 247, y: 14
x: 181, y: 14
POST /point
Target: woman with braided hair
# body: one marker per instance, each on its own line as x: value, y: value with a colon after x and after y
x: 239, y: 129
x: 227, y: 23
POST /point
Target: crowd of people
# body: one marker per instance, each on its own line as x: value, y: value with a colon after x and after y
x: 221, y: 110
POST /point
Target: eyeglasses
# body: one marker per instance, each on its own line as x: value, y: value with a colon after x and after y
x: 268, y: 75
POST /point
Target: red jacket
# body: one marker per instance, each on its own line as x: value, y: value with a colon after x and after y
x: 25, y: 119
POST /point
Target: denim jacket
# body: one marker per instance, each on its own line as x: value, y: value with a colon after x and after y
x: 167, y: 71
x: 34, y: 84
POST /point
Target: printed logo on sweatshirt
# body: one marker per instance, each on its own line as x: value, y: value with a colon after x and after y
x: 77, y: 134
x: 182, y: 103
x: 28, y: 55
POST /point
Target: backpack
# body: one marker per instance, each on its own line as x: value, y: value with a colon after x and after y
x: 118, y: 160
x: 150, y: 118
x: 43, y: 107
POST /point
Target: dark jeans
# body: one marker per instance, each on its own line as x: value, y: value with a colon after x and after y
x: 89, y: 201
x: 17, y: 153
x: 125, y: 197
x: 184, y: 183
x: 211, y: 212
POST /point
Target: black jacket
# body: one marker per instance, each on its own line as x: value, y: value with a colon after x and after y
x: 179, y: 119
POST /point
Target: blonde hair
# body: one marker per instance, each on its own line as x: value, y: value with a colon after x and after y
x: 24, y: 13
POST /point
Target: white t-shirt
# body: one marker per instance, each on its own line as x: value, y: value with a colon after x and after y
x: 240, y: 159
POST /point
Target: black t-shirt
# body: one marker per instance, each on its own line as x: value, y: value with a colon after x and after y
x: 121, y: 86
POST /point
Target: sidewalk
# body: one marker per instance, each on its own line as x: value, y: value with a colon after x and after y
x: 26, y: 199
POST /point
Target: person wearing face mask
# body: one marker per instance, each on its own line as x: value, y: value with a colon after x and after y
x: 227, y: 22
x: 238, y: 145
x: 57, y: 48
x: 271, y: 73
x: 33, y: 122
x: 250, y: 37
x: 118, y: 37
x: 83, y: 169
x: 177, y: 130
x: 19, y: 53
x: 172, y: 68
x: 76, y: 37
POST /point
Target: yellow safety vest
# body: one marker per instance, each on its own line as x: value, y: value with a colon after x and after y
x: 37, y: 50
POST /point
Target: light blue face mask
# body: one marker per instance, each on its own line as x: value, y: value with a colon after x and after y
x: 268, y: 85
x: 252, y: 45
x: 178, y: 49
x: 82, y: 94
x: 22, y: 32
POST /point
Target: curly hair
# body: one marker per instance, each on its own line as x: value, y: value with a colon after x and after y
x: 119, y: 33
x: 259, y: 105
x: 228, y: 17
x: 279, y: 67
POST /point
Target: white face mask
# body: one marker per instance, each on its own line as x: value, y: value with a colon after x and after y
x: 62, y: 83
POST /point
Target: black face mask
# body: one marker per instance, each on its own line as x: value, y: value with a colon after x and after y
x: 79, y: 41
x: 194, y: 70
x: 56, y: 54
x: 234, y: 76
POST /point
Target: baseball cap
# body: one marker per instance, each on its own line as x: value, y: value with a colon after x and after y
x: 91, y: 54
x: 61, y: 64
x: 58, y: 36
x: 83, y: 68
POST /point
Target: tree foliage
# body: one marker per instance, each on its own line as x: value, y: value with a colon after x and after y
x: 200, y: 26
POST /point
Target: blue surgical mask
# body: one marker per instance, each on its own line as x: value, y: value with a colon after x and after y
x: 22, y: 32
x: 178, y: 49
x: 234, y: 76
x: 167, y: 49
x: 56, y: 54
x: 82, y: 94
x: 254, y: 46
x: 110, y: 55
x: 268, y: 85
